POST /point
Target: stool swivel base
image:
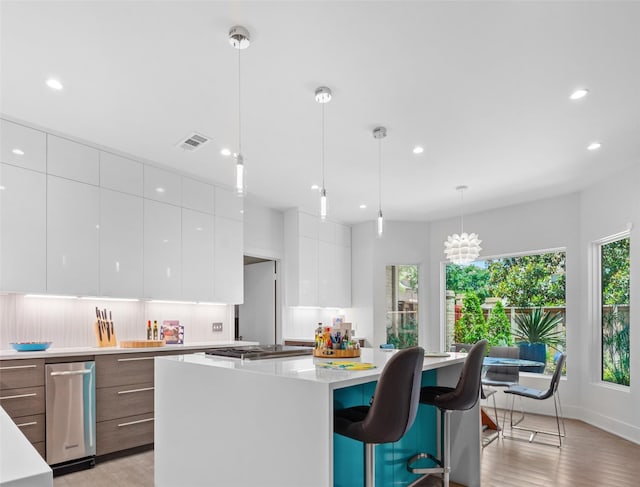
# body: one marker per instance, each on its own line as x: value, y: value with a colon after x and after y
x: 444, y: 467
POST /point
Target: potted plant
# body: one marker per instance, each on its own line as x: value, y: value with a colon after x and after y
x: 534, y: 331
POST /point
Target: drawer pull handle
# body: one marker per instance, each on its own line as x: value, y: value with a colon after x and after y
x: 32, y: 394
x: 137, y: 390
x: 22, y: 425
x: 72, y: 372
x: 134, y: 358
x: 13, y: 367
x: 135, y: 422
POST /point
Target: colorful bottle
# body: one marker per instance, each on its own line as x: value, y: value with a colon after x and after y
x: 149, y: 330
x: 155, y: 330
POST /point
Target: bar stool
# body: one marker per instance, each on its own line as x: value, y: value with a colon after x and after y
x: 392, y: 411
x: 447, y: 399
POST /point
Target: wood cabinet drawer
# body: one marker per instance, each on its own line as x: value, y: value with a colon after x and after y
x: 41, y: 448
x: 122, y: 369
x: 26, y: 401
x: 21, y: 373
x: 123, y: 433
x: 32, y: 427
x: 120, y: 401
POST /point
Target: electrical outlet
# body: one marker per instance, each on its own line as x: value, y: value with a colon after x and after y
x: 216, y: 326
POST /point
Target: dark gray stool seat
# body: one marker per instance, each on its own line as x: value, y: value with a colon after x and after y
x: 447, y: 399
x: 393, y: 407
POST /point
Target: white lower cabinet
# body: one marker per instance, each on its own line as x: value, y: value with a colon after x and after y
x: 23, y: 245
x: 198, y: 242
x: 72, y: 237
x: 121, y: 217
x: 162, y: 251
x: 228, y: 254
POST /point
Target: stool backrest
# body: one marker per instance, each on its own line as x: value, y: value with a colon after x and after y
x: 466, y: 393
x: 555, y: 378
x: 396, y: 399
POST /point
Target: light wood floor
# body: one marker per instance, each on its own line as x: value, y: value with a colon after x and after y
x: 589, y: 457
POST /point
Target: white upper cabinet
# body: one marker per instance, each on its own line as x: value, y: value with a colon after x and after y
x: 308, y: 225
x: 228, y: 204
x: 162, y: 251
x: 23, y: 212
x: 229, y: 274
x: 72, y: 237
x: 198, y: 196
x: 120, y: 244
x: 161, y: 185
x: 308, y: 278
x: 23, y: 146
x: 198, y: 242
x: 72, y: 160
x: 121, y: 174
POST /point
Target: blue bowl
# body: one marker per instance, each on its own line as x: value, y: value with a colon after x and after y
x: 31, y: 346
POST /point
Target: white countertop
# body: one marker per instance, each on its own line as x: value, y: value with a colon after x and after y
x: 20, y: 464
x: 78, y: 351
x: 304, y: 367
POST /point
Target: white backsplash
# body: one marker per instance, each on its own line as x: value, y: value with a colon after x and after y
x: 69, y: 322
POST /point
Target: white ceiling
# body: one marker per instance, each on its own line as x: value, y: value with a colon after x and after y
x: 483, y: 86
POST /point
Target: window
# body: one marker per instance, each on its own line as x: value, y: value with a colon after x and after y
x: 615, y: 311
x: 510, y: 301
x: 402, y: 305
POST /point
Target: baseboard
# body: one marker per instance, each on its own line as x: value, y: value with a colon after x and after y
x: 612, y: 425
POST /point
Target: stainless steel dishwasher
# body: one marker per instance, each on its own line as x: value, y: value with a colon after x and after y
x: 71, y: 413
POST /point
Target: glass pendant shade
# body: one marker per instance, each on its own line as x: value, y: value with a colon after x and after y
x: 462, y: 249
x: 240, y: 176
x: 380, y: 223
x: 323, y: 204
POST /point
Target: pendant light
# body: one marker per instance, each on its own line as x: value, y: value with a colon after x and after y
x: 323, y: 96
x: 380, y: 133
x: 239, y: 39
x: 464, y: 248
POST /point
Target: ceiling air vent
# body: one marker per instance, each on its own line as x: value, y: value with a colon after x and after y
x: 193, y: 141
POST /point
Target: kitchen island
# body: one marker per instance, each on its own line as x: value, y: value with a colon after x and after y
x: 232, y: 422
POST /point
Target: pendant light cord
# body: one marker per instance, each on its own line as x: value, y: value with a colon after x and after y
x: 461, y: 211
x: 322, y: 148
x: 380, y: 174
x: 239, y: 107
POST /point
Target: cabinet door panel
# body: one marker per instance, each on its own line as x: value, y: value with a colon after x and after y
x: 120, y: 174
x: 197, y: 255
x: 72, y: 237
x: 308, y: 272
x: 327, y: 231
x: 198, y: 196
x: 229, y: 276
x: 120, y: 244
x: 228, y: 204
x: 23, y: 245
x: 344, y: 273
x: 326, y: 274
x: 71, y: 160
x: 23, y: 146
x: 308, y: 225
x: 161, y: 185
x: 162, y: 251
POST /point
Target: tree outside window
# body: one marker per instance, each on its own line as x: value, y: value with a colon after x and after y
x: 402, y: 305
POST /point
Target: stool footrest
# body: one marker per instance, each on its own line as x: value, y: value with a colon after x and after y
x: 428, y: 470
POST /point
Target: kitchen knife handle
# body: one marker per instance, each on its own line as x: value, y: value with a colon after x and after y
x: 130, y: 423
x: 11, y: 367
x: 72, y: 372
x: 137, y: 390
x: 134, y: 358
x: 19, y: 396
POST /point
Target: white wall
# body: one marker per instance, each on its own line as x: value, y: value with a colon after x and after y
x: 607, y: 208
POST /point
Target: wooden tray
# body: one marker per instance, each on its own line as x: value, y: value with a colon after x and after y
x: 141, y: 343
x: 336, y: 353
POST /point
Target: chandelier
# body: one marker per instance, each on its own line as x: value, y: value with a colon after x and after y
x: 464, y: 248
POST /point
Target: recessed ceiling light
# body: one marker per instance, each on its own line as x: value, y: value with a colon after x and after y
x: 198, y: 229
x: 418, y: 149
x: 581, y: 93
x: 315, y: 187
x: 54, y: 84
x: 594, y: 146
x: 225, y: 152
x: 363, y: 206
x: 1, y: 188
x: 159, y: 190
x: 18, y: 152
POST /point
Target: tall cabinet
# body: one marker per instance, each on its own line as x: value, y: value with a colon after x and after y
x: 318, y: 261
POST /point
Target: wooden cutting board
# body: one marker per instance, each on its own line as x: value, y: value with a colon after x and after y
x: 141, y: 343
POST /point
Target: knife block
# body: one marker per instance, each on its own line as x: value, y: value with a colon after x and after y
x: 104, y: 341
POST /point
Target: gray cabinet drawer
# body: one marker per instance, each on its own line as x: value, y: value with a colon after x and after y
x: 32, y: 427
x: 128, y: 400
x: 23, y: 402
x: 41, y: 448
x: 21, y: 373
x: 124, y: 433
x: 126, y: 368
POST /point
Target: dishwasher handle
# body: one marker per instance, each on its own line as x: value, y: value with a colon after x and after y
x: 71, y: 372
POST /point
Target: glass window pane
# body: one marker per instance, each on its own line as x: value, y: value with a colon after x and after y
x: 615, y: 290
x: 402, y: 305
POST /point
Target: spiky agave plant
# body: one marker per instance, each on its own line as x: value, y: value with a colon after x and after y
x: 539, y: 327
